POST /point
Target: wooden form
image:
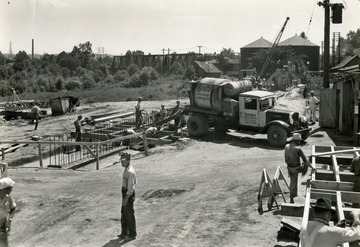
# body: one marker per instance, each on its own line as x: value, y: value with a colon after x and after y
x: 332, y: 183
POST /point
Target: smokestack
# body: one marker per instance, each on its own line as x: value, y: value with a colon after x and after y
x: 32, y: 48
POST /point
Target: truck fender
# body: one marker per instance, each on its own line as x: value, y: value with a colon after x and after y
x: 276, y: 122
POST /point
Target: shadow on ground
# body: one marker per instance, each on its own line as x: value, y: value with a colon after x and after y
x: 338, y: 139
x: 116, y: 243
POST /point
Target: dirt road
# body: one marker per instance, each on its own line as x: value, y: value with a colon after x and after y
x: 192, y: 193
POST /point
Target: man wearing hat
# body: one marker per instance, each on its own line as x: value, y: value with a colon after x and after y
x: 138, y: 112
x: 7, y: 209
x: 293, y: 153
x: 313, y: 102
x: 128, y: 223
x: 318, y: 233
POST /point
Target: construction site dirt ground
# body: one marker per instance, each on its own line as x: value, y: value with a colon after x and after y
x: 195, y: 192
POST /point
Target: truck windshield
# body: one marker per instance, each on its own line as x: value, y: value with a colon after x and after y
x: 267, y: 103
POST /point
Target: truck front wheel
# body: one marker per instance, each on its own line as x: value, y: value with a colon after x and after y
x: 197, y: 125
x: 276, y: 136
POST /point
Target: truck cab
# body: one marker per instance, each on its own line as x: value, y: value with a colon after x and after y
x: 253, y: 106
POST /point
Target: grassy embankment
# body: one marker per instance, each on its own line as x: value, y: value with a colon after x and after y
x: 161, y: 89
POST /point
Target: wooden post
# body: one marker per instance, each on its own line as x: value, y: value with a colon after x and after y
x: 145, y: 144
x: 40, y: 156
x: 97, y: 157
x: 3, y: 153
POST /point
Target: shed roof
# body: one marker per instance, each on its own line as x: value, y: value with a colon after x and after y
x: 296, y: 41
x: 259, y: 43
x: 208, y: 67
x: 345, y: 62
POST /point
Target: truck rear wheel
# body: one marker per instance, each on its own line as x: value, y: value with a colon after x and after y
x: 276, y: 136
x: 197, y: 125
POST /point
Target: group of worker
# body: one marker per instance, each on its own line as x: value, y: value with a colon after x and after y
x: 319, y: 233
x: 159, y: 116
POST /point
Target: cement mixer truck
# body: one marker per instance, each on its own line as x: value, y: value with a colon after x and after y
x: 224, y: 104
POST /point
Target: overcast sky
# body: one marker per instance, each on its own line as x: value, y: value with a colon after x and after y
x: 151, y: 25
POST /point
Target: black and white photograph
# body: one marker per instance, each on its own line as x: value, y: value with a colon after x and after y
x: 179, y: 123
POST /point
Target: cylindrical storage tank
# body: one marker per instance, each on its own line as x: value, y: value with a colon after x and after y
x: 208, y: 93
x: 233, y: 88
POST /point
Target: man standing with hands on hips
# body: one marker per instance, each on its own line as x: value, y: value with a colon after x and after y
x: 128, y: 223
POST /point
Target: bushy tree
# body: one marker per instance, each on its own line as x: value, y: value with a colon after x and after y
x: 151, y: 72
x: 121, y: 75
x: 133, y: 69
x: 138, y: 80
x: 59, y: 84
x: 88, y: 81
x: 72, y: 84
x: 189, y: 73
x: 20, y: 61
x: 176, y: 69
x: 2, y: 59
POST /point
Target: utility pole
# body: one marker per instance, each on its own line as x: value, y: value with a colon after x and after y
x: 336, y: 18
x: 326, y: 75
x: 199, y: 48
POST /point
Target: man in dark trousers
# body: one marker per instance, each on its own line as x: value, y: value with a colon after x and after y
x: 293, y: 153
x: 138, y: 112
x: 174, y: 111
x: 128, y: 223
x: 78, y: 124
x: 35, y: 112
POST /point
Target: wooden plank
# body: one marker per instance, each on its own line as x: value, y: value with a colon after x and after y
x: 158, y: 141
x: 306, y: 213
x: 332, y: 185
x: 292, y: 209
x: 339, y: 208
x: 345, y: 161
x: 328, y: 175
x: 336, y: 152
x: 291, y: 225
x: 335, y: 166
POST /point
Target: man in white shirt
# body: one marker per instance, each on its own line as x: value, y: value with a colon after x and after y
x: 313, y: 102
x: 128, y: 222
x: 7, y: 209
x: 318, y: 232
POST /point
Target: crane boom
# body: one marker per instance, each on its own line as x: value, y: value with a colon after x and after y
x: 275, y: 44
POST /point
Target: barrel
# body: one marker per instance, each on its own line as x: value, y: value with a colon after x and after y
x: 233, y: 88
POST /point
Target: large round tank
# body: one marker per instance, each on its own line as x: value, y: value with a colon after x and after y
x: 208, y: 93
x: 232, y: 88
